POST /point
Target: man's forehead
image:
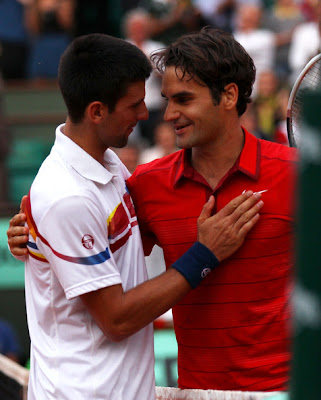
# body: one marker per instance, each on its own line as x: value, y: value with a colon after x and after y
x: 182, y: 75
x: 175, y: 82
x: 178, y: 72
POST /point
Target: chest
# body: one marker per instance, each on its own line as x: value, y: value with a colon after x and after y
x: 171, y: 215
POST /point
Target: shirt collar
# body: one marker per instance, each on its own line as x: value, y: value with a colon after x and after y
x: 82, y: 162
x: 248, y: 162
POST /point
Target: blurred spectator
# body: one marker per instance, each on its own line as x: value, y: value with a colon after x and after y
x: 4, y: 149
x: 165, y: 143
x: 281, y: 133
x: 137, y: 30
x: 259, y: 43
x: 221, y: 13
x: 218, y: 13
x: 306, y: 42
x: 266, y: 103
x: 50, y: 24
x: 9, y: 344
x: 171, y: 18
x: 129, y: 156
x: 13, y: 40
x: 308, y: 8
x: 281, y: 19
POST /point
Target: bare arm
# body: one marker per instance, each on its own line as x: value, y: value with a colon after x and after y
x: 36, y: 9
x: 120, y: 314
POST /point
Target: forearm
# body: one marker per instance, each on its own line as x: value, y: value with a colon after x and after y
x: 120, y: 314
x: 32, y: 17
x: 144, y: 303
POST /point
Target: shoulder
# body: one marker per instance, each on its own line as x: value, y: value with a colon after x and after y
x: 153, y: 174
x: 305, y: 28
x: 267, y: 35
x: 55, y: 179
x: 276, y: 151
x: 159, y: 166
x: 58, y: 188
x: 153, y: 45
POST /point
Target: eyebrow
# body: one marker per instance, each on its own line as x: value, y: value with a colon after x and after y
x: 138, y: 102
x: 184, y: 93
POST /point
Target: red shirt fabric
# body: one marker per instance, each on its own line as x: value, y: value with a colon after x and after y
x: 233, y: 330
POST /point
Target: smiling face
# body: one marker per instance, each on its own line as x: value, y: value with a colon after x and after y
x: 198, y: 122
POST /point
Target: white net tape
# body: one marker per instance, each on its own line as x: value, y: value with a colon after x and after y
x: 16, y: 372
x: 166, y: 393
x: 21, y: 375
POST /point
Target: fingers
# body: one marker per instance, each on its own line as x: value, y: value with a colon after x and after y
x: 246, y: 209
x: 18, y: 220
x: 206, y: 210
x: 18, y: 235
x: 233, y: 204
x: 240, y: 204
x: 224, y: 232
x: 248, y: 226
x: 17, y: 245
x: 244, y: 216
x: 23, y: 204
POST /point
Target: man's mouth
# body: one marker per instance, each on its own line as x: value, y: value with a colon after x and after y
x: 180, y: 127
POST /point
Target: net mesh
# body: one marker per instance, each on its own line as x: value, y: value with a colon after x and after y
x: 13, y: 380
x: 166, y: 393
x: 14, y: 386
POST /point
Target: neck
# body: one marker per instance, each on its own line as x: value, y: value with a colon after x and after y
x: 213, y: 162
x: 83, y: 136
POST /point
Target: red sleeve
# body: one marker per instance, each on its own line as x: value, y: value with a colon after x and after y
x: 136, y: 193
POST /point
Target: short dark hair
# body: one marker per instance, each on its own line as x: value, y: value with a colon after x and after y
x: 99, y: 67
x: 213, y: 58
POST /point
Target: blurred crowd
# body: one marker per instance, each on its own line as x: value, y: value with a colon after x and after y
x: 280, y: 35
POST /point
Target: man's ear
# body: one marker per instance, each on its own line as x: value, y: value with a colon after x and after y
x: 96, y: 111
x: 230, y: 94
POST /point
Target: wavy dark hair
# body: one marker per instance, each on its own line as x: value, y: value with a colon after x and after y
x: 213, y: 58
x: 99, y: 67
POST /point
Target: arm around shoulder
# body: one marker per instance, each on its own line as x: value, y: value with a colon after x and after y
x: 120, y: 314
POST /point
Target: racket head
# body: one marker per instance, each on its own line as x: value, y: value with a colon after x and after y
x: 309, y: 79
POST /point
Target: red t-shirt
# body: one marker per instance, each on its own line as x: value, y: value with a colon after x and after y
x: 233, y: 329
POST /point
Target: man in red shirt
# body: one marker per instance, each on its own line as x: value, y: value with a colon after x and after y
x: 233, y: 329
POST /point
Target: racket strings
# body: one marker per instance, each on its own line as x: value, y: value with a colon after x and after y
x: 310, y: 82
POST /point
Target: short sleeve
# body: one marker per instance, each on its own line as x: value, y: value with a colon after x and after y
x: 73, y: 238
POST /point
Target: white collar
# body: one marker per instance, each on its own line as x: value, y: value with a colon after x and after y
x: 83, y: 162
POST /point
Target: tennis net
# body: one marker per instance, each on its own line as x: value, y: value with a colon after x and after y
x: 14, y: 386
x: 167, y: 393
x: 13, y: 380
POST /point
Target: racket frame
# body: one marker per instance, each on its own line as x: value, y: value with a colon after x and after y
x: 292, y: 96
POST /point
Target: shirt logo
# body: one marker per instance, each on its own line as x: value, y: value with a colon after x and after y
x: 88, y: 242
x: 205, y: 272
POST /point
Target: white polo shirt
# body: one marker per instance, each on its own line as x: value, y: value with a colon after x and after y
x: 84, y: 237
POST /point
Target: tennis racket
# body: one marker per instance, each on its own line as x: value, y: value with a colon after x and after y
x: 309, y: 79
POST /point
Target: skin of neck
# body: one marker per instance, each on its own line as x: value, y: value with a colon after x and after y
x: 214, y: 161
x: 83, y: 134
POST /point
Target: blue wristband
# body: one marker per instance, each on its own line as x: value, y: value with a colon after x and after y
x: 196, y: 263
